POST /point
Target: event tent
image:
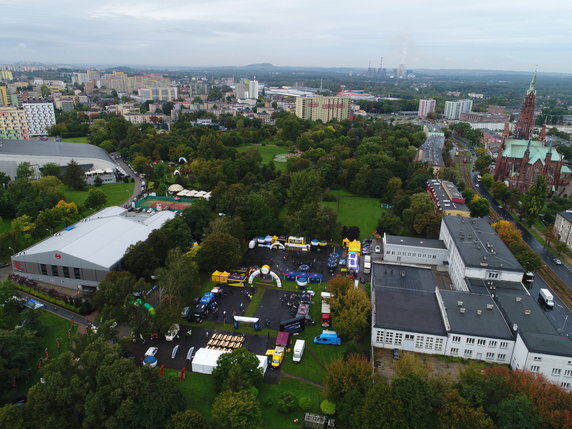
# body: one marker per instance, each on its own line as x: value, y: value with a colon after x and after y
x: 205, y: 360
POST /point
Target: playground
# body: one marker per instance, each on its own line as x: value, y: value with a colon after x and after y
x: 164, y: 203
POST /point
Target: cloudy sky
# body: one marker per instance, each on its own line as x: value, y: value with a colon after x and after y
x: 478, y: 34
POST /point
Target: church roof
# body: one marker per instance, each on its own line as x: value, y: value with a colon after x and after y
x: 537, y: 150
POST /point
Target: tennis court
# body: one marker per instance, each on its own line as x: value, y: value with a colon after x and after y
x: 164, y: 203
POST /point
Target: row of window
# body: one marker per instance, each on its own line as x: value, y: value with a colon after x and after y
x: 468, y: 353
x: 480, y: 342
x: 55, y: 272
x: 421, y: 342
x: 418, y: 255
x: 555, y: 371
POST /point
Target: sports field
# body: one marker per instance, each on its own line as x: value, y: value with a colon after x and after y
x: 164, y: 203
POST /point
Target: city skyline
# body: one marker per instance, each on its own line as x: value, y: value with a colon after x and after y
x: 507, y: 35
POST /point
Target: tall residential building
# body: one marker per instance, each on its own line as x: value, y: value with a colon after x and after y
x: 323, y: 108
x: 13, y: 124
x: 40, y: 116
x: 3, y: 96
x: 80, y: 78
x: 453, y: 109
x: 253, y: 89
x: 168, y: 93
x: 240, y: 90
x: 426, y: 107
x: 6, y: 75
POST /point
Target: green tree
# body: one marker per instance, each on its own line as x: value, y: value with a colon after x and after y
x: 236, y: 410
x: 25, y: 171
x: 50, y: 169
x: 487, y: 180
x: 237, y: 370
x: 413, y: 392
x: 74, y: 176
x: 479, y: 206
x: 198, y: 217
x: 12, y: 416
x: 529, y: 259
x: 427, y: 224
x: 219, y: 251
x: 144, y: 257
x: 305, y: 186
x: 517, y: 413
x: 380, y: 409
x: 186, y: 420
x: 95, y: 199
x: 389, y: 223
x: 458, y: 413
x: 534, y: 199
x: 314, y: 220
x: 343, y: 376
x: 115, y: 294
x: 350, y: 307
x: 483, y: 163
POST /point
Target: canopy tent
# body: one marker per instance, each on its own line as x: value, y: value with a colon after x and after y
x: 205, y: 361
x: 174, y: 188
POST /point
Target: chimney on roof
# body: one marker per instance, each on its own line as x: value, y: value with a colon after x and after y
x: 490, y: 306
x: 515, y: 327
x: 527, y: 312
x: 518, y: 298
x: 460, y: 303
x: 479, y: 312
x: 462, y: 310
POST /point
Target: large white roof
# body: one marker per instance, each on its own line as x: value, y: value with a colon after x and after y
x: 100, y: 239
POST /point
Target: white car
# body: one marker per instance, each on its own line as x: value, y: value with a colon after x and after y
x: 172, y: 332
x: 557, y: 261
x: 150, y: 359
x: 378, y: 249
x: 151, y: 351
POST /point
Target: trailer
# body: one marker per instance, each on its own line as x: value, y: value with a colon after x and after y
x: 326, y: 315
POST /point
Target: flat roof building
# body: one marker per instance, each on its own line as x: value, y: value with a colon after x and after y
x: 431, y: 152
x: 447, y: 198
x: 82, y: 254
x: 414, y: 250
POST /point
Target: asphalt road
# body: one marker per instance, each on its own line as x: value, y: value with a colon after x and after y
x: 127, y: 168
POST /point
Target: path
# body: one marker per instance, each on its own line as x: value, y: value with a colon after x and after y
x: 302, y: 379
x: 131, y: 173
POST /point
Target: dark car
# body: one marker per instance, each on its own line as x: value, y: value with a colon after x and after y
x: 396, y: 354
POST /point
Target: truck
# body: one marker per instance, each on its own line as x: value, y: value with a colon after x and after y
x: 328, y: 337
x: 546, y: 298
x: 326, y: 313
x: 279, y: 349
x: 367, y: 263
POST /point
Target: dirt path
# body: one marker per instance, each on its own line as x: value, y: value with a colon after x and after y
x: 304, y: 380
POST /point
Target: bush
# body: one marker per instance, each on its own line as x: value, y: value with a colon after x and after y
x: 125, y: 179
x: 305, y: 403
x: 287, y: 403
x: 268, y: 402
x: 47, y: 298
x: 328, y: 407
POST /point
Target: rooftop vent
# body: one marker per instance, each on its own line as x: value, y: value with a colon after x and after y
x: 527, y: 312
x: 402, y: 240
x: 515, y: 327
x: 420, y: 242
x: 462, y: 310
x: 518, y: 298
x: 460, y: 303
x: 479, y: 312
x: 490, y: 306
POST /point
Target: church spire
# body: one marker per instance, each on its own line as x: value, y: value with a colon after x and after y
x: 532, y: 87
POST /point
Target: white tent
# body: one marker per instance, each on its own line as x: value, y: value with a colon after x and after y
x: 205, y: 361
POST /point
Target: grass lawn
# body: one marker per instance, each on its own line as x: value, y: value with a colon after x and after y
x: 268, y: 152
x: 359, y: 211
x: 117, y: 193
x: 76, y: 139
x: 199, y: 390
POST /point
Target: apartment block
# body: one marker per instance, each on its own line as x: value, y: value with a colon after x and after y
x: 13, y: 124
x: 40, y: 116
x: 323, y: 108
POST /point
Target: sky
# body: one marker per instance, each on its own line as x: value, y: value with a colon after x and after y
x: 440, y: 34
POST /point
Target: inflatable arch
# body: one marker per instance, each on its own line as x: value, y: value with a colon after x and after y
x: 182, y: 158
x: 146, y: 306
x: 265, y: 270
x: 277, y: 245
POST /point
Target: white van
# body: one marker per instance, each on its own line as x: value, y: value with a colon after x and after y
x: 298, y: 350
x: 367, y: 264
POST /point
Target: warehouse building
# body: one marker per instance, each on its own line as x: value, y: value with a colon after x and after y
x: 81, y: 255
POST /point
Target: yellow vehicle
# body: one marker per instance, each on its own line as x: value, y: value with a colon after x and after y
x: 280, y: 350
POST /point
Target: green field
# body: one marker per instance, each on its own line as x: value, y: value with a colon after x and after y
x: 117, y: 193
x: 356, y: 211
x: 76, y: 139
x: 267, y: 152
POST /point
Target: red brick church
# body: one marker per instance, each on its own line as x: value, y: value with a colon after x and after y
x: 521, y: 160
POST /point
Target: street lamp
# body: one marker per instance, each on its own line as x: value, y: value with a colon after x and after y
x: 11, y: 250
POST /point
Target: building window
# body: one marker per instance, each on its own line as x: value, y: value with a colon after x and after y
x: 493, y: 275
x: 76, y: 273
x: 66, y: 272
x: 470, y: 341
x: 389, y: 337
x: 387, y: 253
x: 534, y: 368
x: 490, y: 356
x: 492, y: 343
x: 429, y: 343
x: 503, y: 345
x: 398, y: 339
x: 379, y: 337
x: 565, y: 385
x: 556, y: 371
x: 55, y: 271
x: 456, y: 339
x: 454, y: 351
x: 501, y: 357
x: 419, y: 341
x: 409, y: 336
x: 468, y: 353
x: 44, y: 269
x: 537, y: 358
x: 439, y: 344
x: 481, y: 342
x: 568, y: 373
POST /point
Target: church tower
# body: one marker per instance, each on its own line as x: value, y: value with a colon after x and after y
x: 526, y: 118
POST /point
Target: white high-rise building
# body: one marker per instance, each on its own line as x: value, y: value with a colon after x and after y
x: 453, y: 109
x: 41, y: 116
x: 426, y: 107
x: 253, y: 89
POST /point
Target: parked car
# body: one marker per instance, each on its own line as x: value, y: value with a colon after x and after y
x: 328, y: 337
x: 172, y: 332
x: 378, y: 249
x: 150, y: 359
x: 557, y: 261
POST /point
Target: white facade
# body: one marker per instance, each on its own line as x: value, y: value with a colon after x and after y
x: 563, y: 227
x: 410, y: 341
x: 453, y: 109
x: 410, y: 253
x: 557, y: 369
x: 40, y: 116
x: 253, y: 89
x: 479, y: 348
x: 426, y: 107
